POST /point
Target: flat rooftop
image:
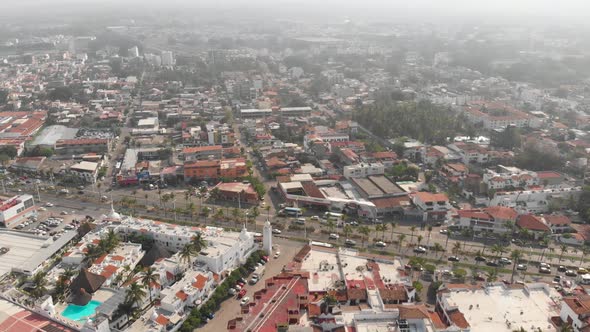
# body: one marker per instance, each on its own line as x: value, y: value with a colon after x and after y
x: 27, y: 251
x: 367, y: 186
x: 386, y: 185
x: 497, y: 308
x: 323, y: 270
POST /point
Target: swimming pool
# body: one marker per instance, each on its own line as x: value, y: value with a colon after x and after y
x: 76, y: 312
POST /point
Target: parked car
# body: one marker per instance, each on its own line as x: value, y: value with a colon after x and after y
x: 561, y: 268
x: 454, y: 259
x: 492, y: 263
x: 544, y: 270
x: 49, y: 204
x: 380, y: 244
x: 582, y: 271
x: 277, y: 254
x: 350, y: 243
x: 265, y: 258
x: 316, y: 218
x: 444, y: 231
x: 276, y: 231
x: 254, y: 279
x: 504, y: 261
x: 571, y: 273
x: 419, y: 250
x: 242, y: 293
x: 521, y: 267
x: 480, y: 259
x: 245, y: 300
x: 334, y: 236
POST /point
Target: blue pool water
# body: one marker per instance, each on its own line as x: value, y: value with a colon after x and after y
x: 76, y: 312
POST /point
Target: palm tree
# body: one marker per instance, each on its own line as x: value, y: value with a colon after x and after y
x: 378, y: 228
x: 456, y: 248
x: 219, y: 214
x: 384, y: 229
x: 437, y: 247
x: 186, y: 253
x: 111, y: 240
x: 236, y: 215
x: 393, y: 226
x: 146, y: 196
x: 39, y: 282
x: 191, y: 209
x: 134, y: 295
x: 347, y: 230
x: 365, y: 231
x: 330, y: 224
x: 198, y: 242
x: 149, y: 277
x: 498, y: 250
x: 566, y: 328
x: 585, y: 251
x: 515, y: 255
x: 400, y: 239
x: 412, y: 229
x: 429, y: 228
x: 419, y: 239
x: 563, y: 249
x: 491, y: 275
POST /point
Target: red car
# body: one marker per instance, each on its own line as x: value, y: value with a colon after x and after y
x: 241, y: 293
x: 241, y: 284
x: 265, y: 258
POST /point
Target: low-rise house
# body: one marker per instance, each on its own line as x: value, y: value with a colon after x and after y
x: 86, y: 171
x: 433, y: 207
x: 534, y: 224
x: 495, y: 219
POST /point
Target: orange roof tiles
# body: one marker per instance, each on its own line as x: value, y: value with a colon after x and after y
x: 182, y: 295
x: 430, y: 197
x: 458, y: 319
x: 532, y: 223
x: 200, y: 282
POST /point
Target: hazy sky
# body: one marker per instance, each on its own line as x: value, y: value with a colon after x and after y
x: 562, y: 9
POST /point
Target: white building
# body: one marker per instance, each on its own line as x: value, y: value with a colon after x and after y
x: 432, y: 206
x: 325, y: 137
x: 510, y: 177
x: 225, y: 250
x: 86, y: 171
x: 167, y: 58
x: 533, y: 201
x: 191, y: 290
x: 15, y: 209
x: 498, y: 308
x: 363, y: 170
x: 133, y: 52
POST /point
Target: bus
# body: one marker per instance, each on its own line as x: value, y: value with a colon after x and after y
x: 292, y: 211
x: 333, y: 216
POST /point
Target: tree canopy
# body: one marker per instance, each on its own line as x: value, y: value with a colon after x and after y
x: 421, y: 120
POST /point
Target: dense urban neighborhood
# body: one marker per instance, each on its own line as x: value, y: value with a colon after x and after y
x: 211, y: 173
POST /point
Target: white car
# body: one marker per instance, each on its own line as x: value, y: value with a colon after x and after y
x: 276, y: 231
x: 245, y: 300
x: 277, y: 254
x: 334, y: 236
x: 41, y: 209
x: 380, y: 244
x: 49, y: 204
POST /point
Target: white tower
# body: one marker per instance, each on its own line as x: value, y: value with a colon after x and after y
x: 267, y: 238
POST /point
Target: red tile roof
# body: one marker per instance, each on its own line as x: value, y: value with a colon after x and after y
x: 458, y: 319
x: 182, y: 295
x: 557, y: 219
x: 430, y: 197
x: 162, y: 320
x: 200, y: 282
x: 532, y: 223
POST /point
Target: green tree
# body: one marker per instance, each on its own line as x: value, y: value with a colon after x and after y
x: 515, y: 255
x: 39, y: 285
x: 148, y: 278
x: 135, y: 294
x: 186, y: 253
